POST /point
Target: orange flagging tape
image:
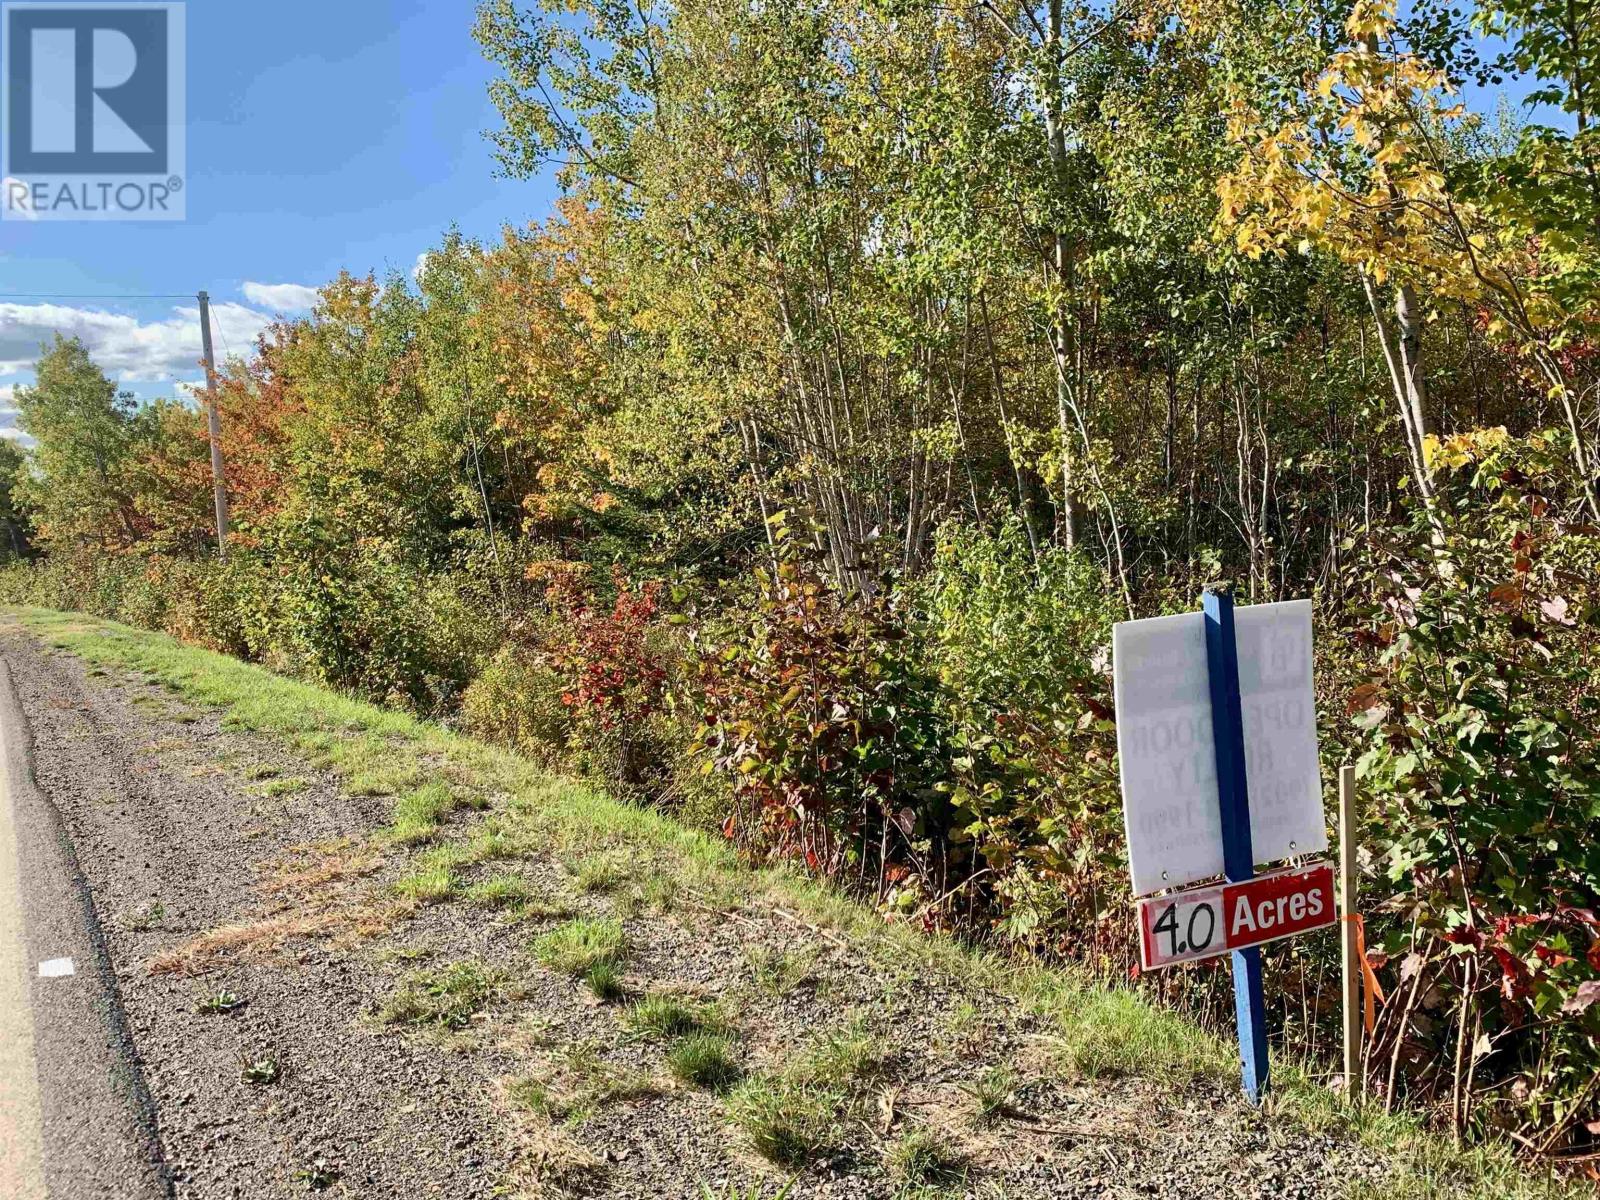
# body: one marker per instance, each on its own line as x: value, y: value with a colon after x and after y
x: 1371, y: 993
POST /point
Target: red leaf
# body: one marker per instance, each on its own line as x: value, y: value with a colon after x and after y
x: 1588, y: 992
x: 1507, y: 595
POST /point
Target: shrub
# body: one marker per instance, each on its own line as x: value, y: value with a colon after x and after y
x: 815, y: 707
x: 1480, y: 737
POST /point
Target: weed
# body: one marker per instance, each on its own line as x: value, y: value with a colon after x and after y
x: 259, y: 1072
x: 262, y: 771
x: 605, y: 980
x: 148, y: 918
x: 779, y: 972
x: 499, y: 891
x: 703, y: 1060
x: 449, y: 997
x: 319, y: 1176
x: 663, y: 1015
x: 219, y: 1003
x: 757, y: 1191
x: 992, y: 1094
x: 920, y: 1159
x: 430, y: 885
x: 580, y: 945
x: 787, y: 1122
x: 286, y: 786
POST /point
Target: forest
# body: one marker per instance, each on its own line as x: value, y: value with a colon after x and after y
x: 877, y: 358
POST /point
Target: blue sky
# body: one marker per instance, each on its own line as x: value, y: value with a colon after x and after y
x: 321, y: 136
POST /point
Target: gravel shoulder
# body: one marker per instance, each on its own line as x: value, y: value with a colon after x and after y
x: 327, y: 992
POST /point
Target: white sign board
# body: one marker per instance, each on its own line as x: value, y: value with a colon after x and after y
x: 1164, y: 742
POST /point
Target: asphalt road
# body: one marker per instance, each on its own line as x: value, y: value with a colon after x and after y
x: 76, y: 1118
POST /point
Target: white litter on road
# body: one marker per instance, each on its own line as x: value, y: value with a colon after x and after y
x: 55, y: 968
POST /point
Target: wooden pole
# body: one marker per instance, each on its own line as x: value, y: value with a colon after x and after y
x: 1354, y: 1077
x: 219, y: 483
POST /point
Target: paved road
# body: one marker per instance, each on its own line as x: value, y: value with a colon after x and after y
x: 76, y: 1119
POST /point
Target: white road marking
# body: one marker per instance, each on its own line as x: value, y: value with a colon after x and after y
x: 56, y: 968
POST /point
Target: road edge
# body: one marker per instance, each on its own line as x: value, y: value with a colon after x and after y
x: 21, y: 784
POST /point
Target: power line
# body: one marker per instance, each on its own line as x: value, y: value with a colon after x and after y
x: 95, y: 296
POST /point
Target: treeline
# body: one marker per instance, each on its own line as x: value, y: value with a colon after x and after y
x: 879, y: 357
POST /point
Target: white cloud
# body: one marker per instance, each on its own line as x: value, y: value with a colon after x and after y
x: 422, y: 265
x: 8, y: 415
x: 124, y: 346
x: 281, y: 297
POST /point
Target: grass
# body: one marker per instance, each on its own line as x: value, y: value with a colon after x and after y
x: 419, y: 813
x: 604, y: 980
x: 921, y: 1159
x: 992, y: 1094
x: 779, y: 972
x: 577, y: 1084
x: 786, y: 1121
x: 447, y: 998
x: 599, y: 873
x: 1107, y: 1034
x: 662, y: 1015
x: 431, y: 771
x: 287, y: 786
x: 580, y: 945
x: 839, y: 1059
x: 703, y: 1060
x: 500, y: 891
x: 428, y: 885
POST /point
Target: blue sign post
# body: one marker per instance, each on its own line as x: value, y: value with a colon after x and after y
x: 1227, y: 728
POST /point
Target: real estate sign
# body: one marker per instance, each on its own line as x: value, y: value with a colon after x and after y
x: 1168, y: 756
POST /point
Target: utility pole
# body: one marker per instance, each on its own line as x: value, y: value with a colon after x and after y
x: 219, y: 482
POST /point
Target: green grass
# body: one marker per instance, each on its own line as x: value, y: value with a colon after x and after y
x: 992, y: 1094
x: 432, y: 885
x: 283, y: 787
x: 663, y: 1015
x: 703, y: 1060
x: 838, y: 1059
x: 604, y: 980
x: 419, y: 813
x: 500, y: 891
x: 779, y: 972
x: 427, y: 768
x: 921, y: 1159
x: 785, y: 1121
x: 580, y: 945
x: 448, y: 997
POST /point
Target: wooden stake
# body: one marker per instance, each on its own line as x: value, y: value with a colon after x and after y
x: 1353, y: 1075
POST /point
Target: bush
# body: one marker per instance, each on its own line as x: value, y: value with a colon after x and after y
x: 1479, y: 731
x: 814, y: 705
x: 1020, y: 644
x: 516, y: 701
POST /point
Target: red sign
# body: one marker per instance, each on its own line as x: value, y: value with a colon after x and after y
x: 1231, y: 916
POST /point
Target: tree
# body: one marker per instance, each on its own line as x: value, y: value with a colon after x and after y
x: 86, y: 433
